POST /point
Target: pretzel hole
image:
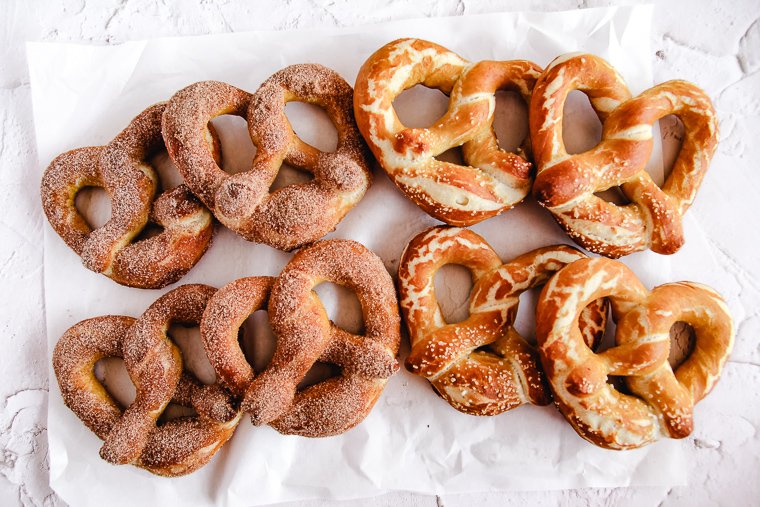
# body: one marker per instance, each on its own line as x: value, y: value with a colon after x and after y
x: 453, y: 284
x: 608, y: 342
x: 452, y: 155
x: 236, y: 150
x: 618, y: 383
x: 257, y: 341
x: 312, y: 125
x: 149, y: 231
x: 175, y: 411
x: 525, y: 321
x: 420, y: 106
x: 168, y: 174
x: 188, y: 339
x: 581, y: 128
x: 342, y: 306
x: 319, y: 372
x: 289, y: 175
x: 613, y: 195
x: 94, y: 204
x: 672, y: 132
x: 112, y: 373
x: 510, y: 120
x: 682, y: 342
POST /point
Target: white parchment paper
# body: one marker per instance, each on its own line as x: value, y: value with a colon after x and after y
x: 412, y: 440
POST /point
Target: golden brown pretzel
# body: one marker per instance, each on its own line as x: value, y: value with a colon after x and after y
x: 661, y: 400
x: 565, y: 184
x: 306, y: 335
x: 154, y: 365
x: 175, y: 448
x: 480, y: 366
x: 495, y: 180
x: 290, y: 216
x: 122, y: 169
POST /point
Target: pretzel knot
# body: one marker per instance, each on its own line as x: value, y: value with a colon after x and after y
x: 290, y: 216
x: 480, y: 366
x: 175, y: 447
x: 661, y: 400
x: 494, y: 180
x: 122, y: 169
x: 305, y: 335
x: 565, y: 184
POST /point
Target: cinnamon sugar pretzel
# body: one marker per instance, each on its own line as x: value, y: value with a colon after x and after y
x: 662, y: 399
x: 290, y: 216
x: 305, y: 335
x: 122, y: 169
x: 481, y: 366
x: 176, y: 447
x: 495, y: 180
x: 565, y: 184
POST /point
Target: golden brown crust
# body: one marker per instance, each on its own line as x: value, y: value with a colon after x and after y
x: 495, y: 180
x: 122, y: 170
x: 661, y: 400
x: 306, y: 335
x: 565, y: 184
x: 480, y: 366
x: 293, y: 215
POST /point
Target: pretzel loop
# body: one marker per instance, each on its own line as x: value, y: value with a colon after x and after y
x: 662, y: 401
x: 480, y: 366
x: 566, y: 184
x: 494, y: 180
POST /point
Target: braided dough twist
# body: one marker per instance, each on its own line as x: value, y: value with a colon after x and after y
x: 565, y: 184
x: 661, y: 400
x: 495, y: 180
x: 291, y: 216
x: 480, y: 366
x: 122, y: 169
x: 306, y: 335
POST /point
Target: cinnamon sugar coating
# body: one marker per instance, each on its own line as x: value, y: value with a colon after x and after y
x: 137, y: 436
x: 122, y: 170
x: 226, y: 312
x: 154, y: 364
x: 290, y: 216
x: 306, y: 335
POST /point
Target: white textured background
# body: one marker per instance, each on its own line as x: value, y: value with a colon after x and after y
x: 713, y: 43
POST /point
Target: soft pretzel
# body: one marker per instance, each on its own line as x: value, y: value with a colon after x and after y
x: 495, y: 180
x: 122, y: 169
x: 290, y: 216
x: 661, y: 400
x: 565, y: 184
x: 305, y: 335
x: 154, y: 364
x: 174, y: 448
x: 481, y: 366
